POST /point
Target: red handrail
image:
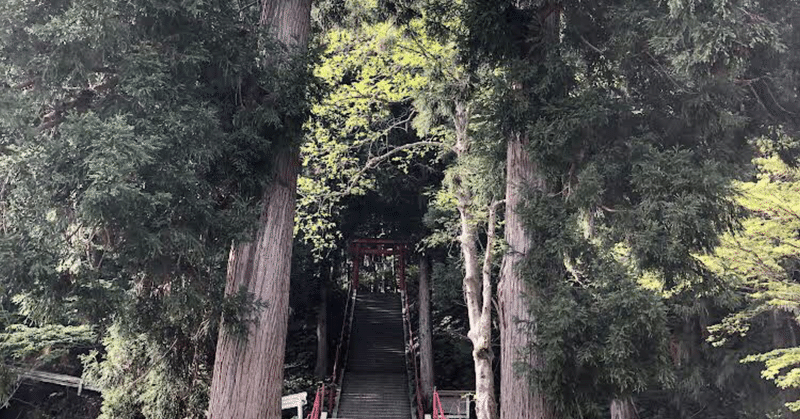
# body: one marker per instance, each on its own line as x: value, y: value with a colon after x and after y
x: 316, y: 410
x: 341, y: 336
x: 438, y: 412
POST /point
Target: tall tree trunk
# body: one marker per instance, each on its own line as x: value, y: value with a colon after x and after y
x: 519, y: 397
x: 288, y: 21
x: 623, y: 408
x: 477, y: 282
x: 248, y: 371
x: 425, y: 335
x: 321, y: 366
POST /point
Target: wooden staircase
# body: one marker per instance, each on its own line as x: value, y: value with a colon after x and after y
x: 375, y: 381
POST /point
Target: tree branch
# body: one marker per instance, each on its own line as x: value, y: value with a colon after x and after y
x: 589, y: 44
x: 665, y: 73
x: 373, y: 162
x: 486, y: 309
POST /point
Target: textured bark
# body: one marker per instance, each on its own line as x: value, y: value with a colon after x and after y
x: 623, y: 408
x: 519, y: 397
x: 289, y: 21
x: 783, y: 334
x: 425, y: 333
x: 477, y: 282
x: 248, y: 373
x: 321, y: 366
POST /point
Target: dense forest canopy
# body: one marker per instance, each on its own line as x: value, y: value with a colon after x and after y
x: 607, y: 192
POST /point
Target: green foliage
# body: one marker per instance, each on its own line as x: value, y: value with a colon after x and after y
x: 371, y: 75
x: 138, y: 377
x: 452, y: 349
x: 637, y: 116
x: 31, y: 347
x: 761, y: 263
x: 8, y: 384
x: 601, y: 335
x: 23, y: 343
x: 135, y: 140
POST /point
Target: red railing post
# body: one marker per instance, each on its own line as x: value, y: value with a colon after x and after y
x: 344, y: 338
x: 438, y: 412
x: 402, y: 268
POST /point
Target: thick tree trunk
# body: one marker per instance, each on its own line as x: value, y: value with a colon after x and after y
x: 288, y: 21
x: 477, y: 281
x: 425, y: 334
x: 248, y: 372
x: 783, y: 335
x: 623, y: 408
x: 520, y: 398
x: 321, y: 366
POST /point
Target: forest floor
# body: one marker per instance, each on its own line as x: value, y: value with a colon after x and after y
x: 35, y: 400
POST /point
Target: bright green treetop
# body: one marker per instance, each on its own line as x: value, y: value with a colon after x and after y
x: 762, y: 262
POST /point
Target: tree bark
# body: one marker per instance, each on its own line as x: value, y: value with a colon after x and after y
x: 425, y: 333
x: 248, y: 372
x: 477, y: 282
x: 623, y: 408
x: 288, y: 21
x: 520, y: 398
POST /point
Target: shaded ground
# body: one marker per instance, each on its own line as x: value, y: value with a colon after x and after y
x: 40, y: 401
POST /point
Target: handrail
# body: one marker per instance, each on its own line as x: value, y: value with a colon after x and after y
x: 341, y: 337
x: 337, y: 375
x: 318, y: 398
x: 438, y: 412
x: 412, y: 352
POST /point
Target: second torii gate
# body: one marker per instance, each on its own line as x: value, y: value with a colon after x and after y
x: 383, y: 247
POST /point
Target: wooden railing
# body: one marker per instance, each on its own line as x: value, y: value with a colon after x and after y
x: 293, y: 401
x: 53, y: 378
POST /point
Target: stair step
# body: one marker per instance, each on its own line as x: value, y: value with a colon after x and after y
x: 375, y: 383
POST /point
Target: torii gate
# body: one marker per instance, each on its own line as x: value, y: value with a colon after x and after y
x: 383, y: 247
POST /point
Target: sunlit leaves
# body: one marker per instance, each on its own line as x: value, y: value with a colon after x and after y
x: 762, y: 262
x: 373, y: 74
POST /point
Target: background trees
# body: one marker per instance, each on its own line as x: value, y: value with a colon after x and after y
x: 761, y: 263
x: 611, y: 80
x: 137, y: 139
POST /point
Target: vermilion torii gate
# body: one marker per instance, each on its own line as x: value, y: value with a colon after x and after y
x: 382, y: 247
